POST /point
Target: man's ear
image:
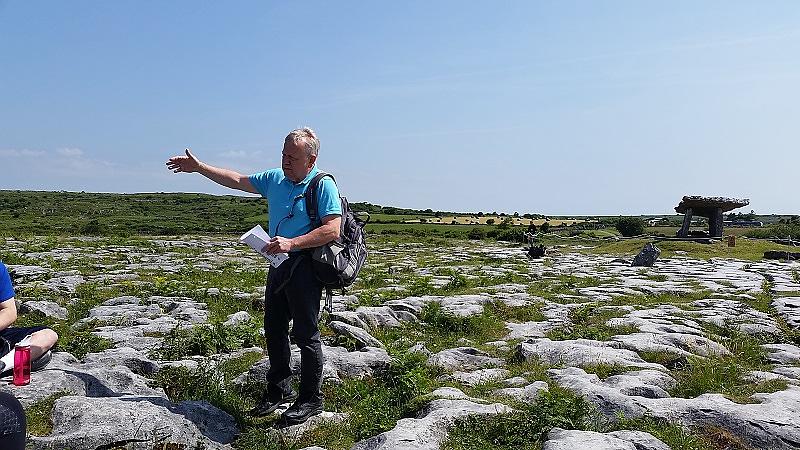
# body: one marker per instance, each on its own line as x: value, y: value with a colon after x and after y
x: 311, y: 160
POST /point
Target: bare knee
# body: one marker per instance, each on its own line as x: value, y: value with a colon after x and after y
x: 44, y: 339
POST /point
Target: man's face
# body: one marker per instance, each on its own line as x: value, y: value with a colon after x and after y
x: 295, y: 162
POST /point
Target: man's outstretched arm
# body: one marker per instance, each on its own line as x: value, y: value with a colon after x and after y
x: 226, y: 177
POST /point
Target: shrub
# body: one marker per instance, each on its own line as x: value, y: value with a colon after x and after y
x: 630, y: 226
x: 94, y: 227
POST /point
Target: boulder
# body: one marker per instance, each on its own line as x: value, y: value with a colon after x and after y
x: 647, y: 256
x: 363, y: 338
x: 48, y: 309
x: 237, y: 318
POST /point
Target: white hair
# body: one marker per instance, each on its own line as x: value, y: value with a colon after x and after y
x: 308, y: 137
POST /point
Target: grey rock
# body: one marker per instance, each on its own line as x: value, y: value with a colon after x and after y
x: 515, y: 382
x: 783, y: 353
x: 420, y: 348
x: 464, y: 358
x: 142, y: 422
x: 429, y: 428
x: 678, y: 343
x: 789, y: 309
x: 526, y: 394
x: 581, y: 353
x: 643, y: 383
x: 378, y: 316
x: 339, y: 363
x: 349, y: 317
x: 609, y: 400
x: 560, y: 439
x: 413, y: 305
x: 295, y: 432
x: 131, y: 358
x: 21, y: 273
x: 476, y: 377
x: 66, y: 374
x: 647, y: 256
x: 788, y: 371
x: 237, y: 318
x: 66, y: 283
x: 773, y: 423
x: 363, y: 338
x: 49, y: 309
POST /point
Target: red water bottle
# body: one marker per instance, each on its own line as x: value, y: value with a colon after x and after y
x: 22, y: 363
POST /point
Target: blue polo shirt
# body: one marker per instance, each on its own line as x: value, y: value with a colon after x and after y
x: 6, y: 290
x: 287, y: 209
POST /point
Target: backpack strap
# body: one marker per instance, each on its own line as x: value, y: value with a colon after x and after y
x: 311, y: 198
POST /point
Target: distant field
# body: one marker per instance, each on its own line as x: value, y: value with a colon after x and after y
x: 727, y: 231
x: 473, y: 220
x: 482, y: 220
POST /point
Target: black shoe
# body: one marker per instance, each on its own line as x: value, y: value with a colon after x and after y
x: 42, y: 361
x: 270, y: 403
x: 299, y: 412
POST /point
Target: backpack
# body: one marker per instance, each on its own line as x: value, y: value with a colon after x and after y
x: 337, y: 263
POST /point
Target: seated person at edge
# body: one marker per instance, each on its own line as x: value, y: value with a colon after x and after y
x: 42, y: 338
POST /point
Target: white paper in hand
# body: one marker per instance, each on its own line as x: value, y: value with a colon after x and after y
x: 256, y: 238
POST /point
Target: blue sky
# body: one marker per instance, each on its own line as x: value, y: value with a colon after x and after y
x: 558, y: 107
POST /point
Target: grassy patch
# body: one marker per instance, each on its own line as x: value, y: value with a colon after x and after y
x: 373, y: 405
x: 746, y: 249
x: 606, y: 370
x: 205, y: 383
x: 524, y: 428
x: 725, y: 374
x: 206, y: 340
x: 38, y: 416
x: 440, y: 330
x: 675, y: 436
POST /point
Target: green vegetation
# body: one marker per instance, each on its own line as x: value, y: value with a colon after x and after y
x: 588, y: 323
x: 526, y: 427
x: 38, y: 415
x: 781, y: 230
x: 373, y: 405
x: 206, y: 340
x: 725, y: 374
x: 630, y: 226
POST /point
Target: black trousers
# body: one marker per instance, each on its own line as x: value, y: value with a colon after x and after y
x: 293, y: 292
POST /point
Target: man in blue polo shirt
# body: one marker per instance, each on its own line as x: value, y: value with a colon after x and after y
x: 42, y: 338
x: 293, y: 292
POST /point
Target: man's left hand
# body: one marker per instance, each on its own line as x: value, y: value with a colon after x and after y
x: 279, y: 244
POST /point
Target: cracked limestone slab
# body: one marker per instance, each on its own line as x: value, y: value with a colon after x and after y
x: 581, y: 353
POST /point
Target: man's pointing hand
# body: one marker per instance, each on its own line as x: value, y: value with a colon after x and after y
x: 182, y: 163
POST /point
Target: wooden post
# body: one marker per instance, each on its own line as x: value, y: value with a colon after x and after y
x: 687, y: 222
